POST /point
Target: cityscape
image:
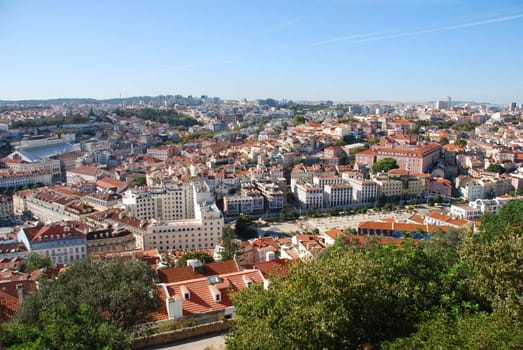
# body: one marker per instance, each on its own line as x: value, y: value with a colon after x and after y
x: 276, y: 213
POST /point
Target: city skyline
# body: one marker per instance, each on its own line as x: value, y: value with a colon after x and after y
x: 354, y: 50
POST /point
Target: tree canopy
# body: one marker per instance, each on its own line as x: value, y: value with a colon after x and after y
x: 384, y: 165
x: 230, y: 245
x: 202, y: 256
x: 244, y: 227
x: 168, y: 116
x: 35, y: 261
x: 496, y: 168
x: 458, y: 290
x: 97, y: 298
x: 461, y: 143
x: 298, y: 120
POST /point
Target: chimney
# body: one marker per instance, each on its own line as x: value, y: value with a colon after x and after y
x: 20, y: 290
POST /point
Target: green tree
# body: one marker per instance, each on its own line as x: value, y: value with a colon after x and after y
x: 60, y: 329
x: 348, y: 299
x: 496, y: 168
x: 230, y: 245
x: 443, y: 141
x: 121, y: 291
x: 244, y: 227
x: 35, y: 261
x: 384, y: 165
x: 298, y: 120
x: 202, y: 256
x: 140, y: 179
x: 461, y: 143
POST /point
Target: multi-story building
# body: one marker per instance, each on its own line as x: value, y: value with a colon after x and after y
x: 322, y: 181
x: 112, y: 239
x: 483, y: 188
x: 243, y: 204
x: 13, y: 179
x: 52, y: 166
x: 6, y: 207
x: 309, y: 196
x: 272, y: 194
x: 48, y: 205
x: 64, y: 242
x: 103, y: 201
x: 162, y: 152
x: 363, y: 191
x: 413, y: 158
x: 338, y: 195
x: 168, y: 202
x: 400, y: 186
x: 200, y: 228
x: 204, y: 231
x: 440, y: 186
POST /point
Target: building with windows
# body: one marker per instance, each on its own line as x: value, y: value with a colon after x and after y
x: 167, y: 202
x: 111, y: 239
x: 363, y: 191
x: 64, y: 242
x: 417, y: 159
x: 200, y: 226
x: 338, y: 196
x: 309, y: 196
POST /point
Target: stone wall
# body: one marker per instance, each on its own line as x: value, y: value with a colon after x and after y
x: 180, y: 334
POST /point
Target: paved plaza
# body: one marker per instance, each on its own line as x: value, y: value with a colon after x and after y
x: 341, y: 222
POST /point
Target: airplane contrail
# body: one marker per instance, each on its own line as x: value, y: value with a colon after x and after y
x: 360, y: 38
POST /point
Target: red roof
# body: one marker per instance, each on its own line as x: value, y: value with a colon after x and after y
x: 186, y: 273
x: 202, y: 290
x: 271, y: 268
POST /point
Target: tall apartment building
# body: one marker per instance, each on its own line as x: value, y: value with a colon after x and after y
x: 309, y: 196
x: 363, y: 191
x: 6, y: 207
x: 338, y: 195
x: 249, y: 201
x: 400, y: 186
x: 322, y: 181
x: 187, y: 218
x: 272, y: 194
x: 169, y: 202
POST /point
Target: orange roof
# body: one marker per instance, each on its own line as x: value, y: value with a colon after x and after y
x: 367, y: 152
x: 185, y: 273
x: 200, y: 290
x: 417, y: 218
x: 107, y: 182
x: 271, y: 268
x: 335, y: 233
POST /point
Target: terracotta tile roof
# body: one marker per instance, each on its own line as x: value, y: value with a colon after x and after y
x: 417, y: 219
x: 367, y: 152
x: 161, y: 311
x: 202, y: 290
x: 186, y: 273
x: 53, y: 231
x: 85, y: 170
x: 107, y: 183
x: 335, y: 233
x: 278, y: 267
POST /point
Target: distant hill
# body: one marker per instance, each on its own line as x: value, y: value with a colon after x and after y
x: 161, y: 98
x: 90, y: 101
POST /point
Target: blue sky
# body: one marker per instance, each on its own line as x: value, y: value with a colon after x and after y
x: 343, y: 50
